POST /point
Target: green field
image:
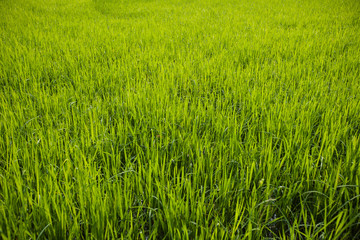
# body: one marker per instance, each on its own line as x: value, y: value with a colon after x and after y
x: 179, y: 119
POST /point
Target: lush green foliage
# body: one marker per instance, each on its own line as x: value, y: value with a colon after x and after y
x: 179, y: 119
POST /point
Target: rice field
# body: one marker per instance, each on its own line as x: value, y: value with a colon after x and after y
x: 179, y: 119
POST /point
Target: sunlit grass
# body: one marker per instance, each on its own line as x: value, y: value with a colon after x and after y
x: 179, y: 119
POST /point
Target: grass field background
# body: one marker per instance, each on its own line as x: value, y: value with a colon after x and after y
x: 192, y: 119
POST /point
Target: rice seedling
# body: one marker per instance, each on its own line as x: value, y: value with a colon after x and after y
x: 196, y: 119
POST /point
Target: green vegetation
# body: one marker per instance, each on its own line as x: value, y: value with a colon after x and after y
x: 174, y: 119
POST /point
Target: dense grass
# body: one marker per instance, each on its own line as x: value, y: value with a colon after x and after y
x: 179, y: 119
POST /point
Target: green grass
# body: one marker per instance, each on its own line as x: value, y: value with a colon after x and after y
x: 195, y: 119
